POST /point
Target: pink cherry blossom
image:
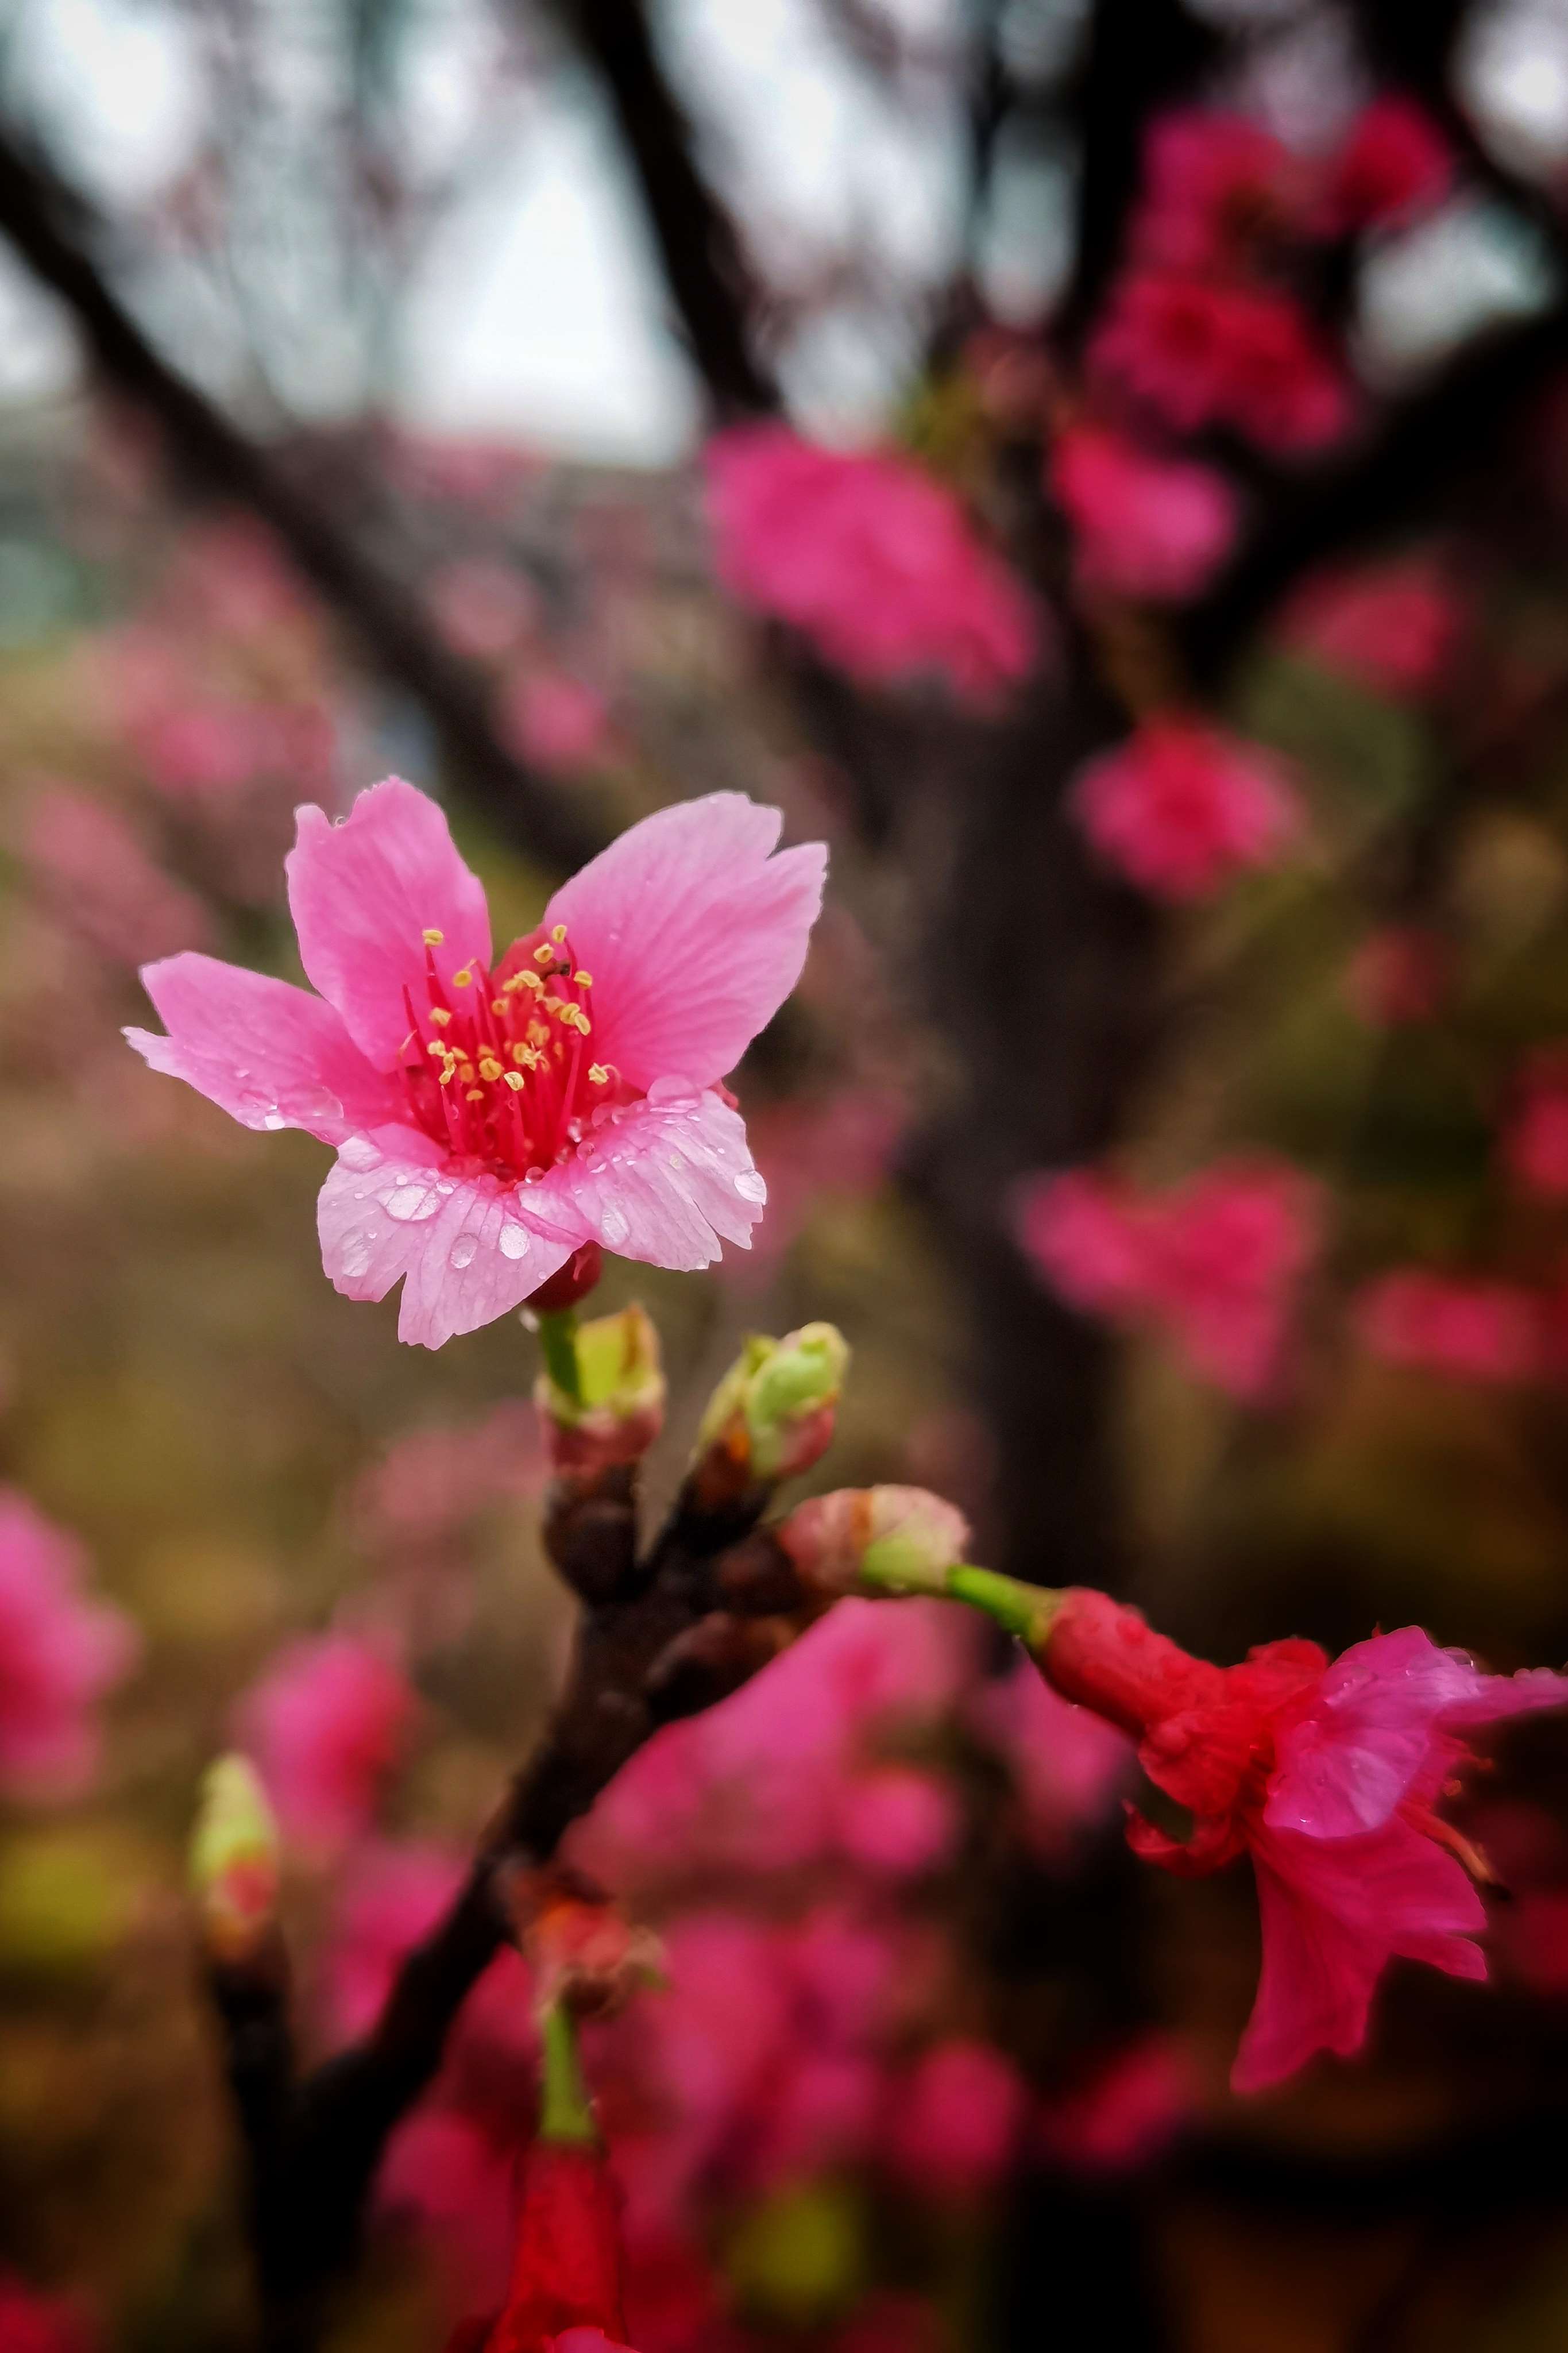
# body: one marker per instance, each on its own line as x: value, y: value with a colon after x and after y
x: 1328, y: 1775
x: 958, y: 2118
x: 1535, y: 1140
x: 1146, y: 526
x: 58, y: 1654
x: 1203, y: 352
x: 325, y: 1725
x: 867, y: 557
x: 899, y: 1821
x: 1393, y: 161
x: 1218, y: 1263
x: 1180, y: 807
x: 96, y: 877
x: 556, y: 721
x: 481, y: 1137
x: 1469, y: 1327
x: 1393, y: 626
x: 1215, y: 184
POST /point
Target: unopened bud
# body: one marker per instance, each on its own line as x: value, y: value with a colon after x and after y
x: 620, y: 1410
x: 234, y: 1860
x: 772, y: 1414
x: 876, y: 1540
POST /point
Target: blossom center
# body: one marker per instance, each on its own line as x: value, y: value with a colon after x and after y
x: 497, y: 1063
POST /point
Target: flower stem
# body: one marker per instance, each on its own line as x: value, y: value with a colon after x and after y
x: 565, y: 2111
x: 1025, y: 1610
x: 558, y: 1338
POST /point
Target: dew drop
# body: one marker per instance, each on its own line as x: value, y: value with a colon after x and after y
x: 354, y: 1254
x: 752, y: 1185
x: 612, y: 1227
x: 514, y: 1242
x: 465, y: 1249
x: 410, y: 1203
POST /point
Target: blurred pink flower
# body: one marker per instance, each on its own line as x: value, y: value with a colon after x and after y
x: 899, y: 1821
x: 1127, y: 2114
x: 1203, y: 352
x: 98, y: 879
x: 1179, y: 808
x: 392, y: 1895
x: 1393, y: 626
x: 1469, y: 1327
x: 1393, y: 161
x: 556, y: 721
x: 34, y: 2323
x: 59, y: 1654
x: 1146, y: 526
x: 1535, y: 1140
x: 1218, y: 1263
x: 870, y: 557
x: 480, y: 1140
x: 1399, y: 973
x: 452, y: 2182
x: 1067, y: 1766
x: 325, y: 1726
x: 957, y: 2118
x: 482, y: 607
x: 432, y: 1482
x: 1215, y: 184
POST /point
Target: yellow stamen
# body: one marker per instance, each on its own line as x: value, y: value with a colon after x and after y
x: 475, y: 1095
x: 543, y: 953
x: 497, y: 1006
x: 449, y: 1074
x: 463, y: 979
x: 584, y: 979
x: 530, y: 980
x: 514, y: 1079
x: 433, y: 938
x: 490, y: 1067
x: 598, y: 1074
x: 558, y: 933
x: 440, y: 1016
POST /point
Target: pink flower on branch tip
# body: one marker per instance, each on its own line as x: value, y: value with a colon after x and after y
x: 59, y: 1653
x: 1217, y: 1263
x: 1469, y: 1327
x: 1201, y: 352
x: 1145, y: 526
x: 1328, y: 1775
x: 870, y: 558
x: 492, y: 1117
x: 1179, y: 808
x: 324, y: 1728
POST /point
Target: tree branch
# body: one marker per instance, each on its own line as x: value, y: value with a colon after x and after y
x: 217, y: 460
x: 710, y: 278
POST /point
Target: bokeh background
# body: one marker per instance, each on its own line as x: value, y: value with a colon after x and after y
x: 897, y: 410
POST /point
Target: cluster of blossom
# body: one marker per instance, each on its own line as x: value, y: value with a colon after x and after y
x: 1181, y: 807
x: 1216, y: 1263
x: 1205, y: 326
x: 811, y: 2016
x: 870, y: 558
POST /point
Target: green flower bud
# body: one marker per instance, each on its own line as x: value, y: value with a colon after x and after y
x: 235, y: 1860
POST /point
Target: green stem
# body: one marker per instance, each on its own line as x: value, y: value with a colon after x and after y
x: 558, y: 1339
x: 565, y: 2111
x: 1025, y: 1610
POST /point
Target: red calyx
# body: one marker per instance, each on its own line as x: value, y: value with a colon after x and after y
x: 569, y: 1283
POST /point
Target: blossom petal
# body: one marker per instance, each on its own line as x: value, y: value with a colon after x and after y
x: 393, y: 1207
x: 362, y: 894
x: 1346, y: 1765
x: 267, y: 1053
x: 1334, y: 1914
x: 694, y: 936
x: 665, y: 1181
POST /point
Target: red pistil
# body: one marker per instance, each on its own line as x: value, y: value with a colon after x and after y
x: 499, y: 1066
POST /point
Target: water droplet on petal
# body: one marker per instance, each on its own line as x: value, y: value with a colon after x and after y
x: 464, y: 1250
x: 514, y: 1242
x: 409, y: 1203
x: 752, y: 1185
x: 612, y: 1227
x: 354, y: 1254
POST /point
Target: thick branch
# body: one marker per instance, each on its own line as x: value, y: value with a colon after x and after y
x: 710, y: 280
x: 217, y: 460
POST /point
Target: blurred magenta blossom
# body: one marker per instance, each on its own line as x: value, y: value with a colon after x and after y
x: 1146, y: 525
x: 1181, y: 808
x: 59, y: 1653
x: 325, y: 1726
